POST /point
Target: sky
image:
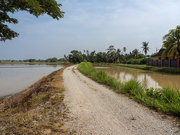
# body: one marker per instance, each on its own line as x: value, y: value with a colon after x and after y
x: 92, y: 25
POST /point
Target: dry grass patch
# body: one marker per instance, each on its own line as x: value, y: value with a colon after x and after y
x: 36, y: 110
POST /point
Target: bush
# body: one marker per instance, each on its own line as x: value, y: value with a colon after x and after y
x: 143, y: 61
x: 133, y: 61
x: 138, y: 61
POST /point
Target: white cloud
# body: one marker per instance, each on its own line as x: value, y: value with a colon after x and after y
x: 94, y: 25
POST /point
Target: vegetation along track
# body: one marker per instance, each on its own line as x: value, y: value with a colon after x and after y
x: 95, y: 109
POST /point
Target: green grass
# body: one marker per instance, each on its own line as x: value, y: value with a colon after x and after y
x: 40, y: 99
x: 165, y: 100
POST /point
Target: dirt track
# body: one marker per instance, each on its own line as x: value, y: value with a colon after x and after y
x: 94, y: 109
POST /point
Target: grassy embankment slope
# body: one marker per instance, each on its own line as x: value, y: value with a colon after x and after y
x: 36, y: 110
x: 164, y: 100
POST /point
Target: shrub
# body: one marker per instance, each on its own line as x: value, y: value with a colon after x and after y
x: 138, y: 61
x: 143, y: 61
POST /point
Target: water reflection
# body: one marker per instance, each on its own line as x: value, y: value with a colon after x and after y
x: 16, y: 77
x: 147, y: 79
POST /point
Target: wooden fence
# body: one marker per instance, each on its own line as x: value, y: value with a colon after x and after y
x: 164, y: 63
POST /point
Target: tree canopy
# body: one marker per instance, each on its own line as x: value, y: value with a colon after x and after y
x: 172, y: 43
x: 34, y: 7
x: 145, y: 47
x: 111, y: 56
x: 124, y: 49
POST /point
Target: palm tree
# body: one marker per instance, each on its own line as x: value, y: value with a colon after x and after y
x: 172, y: 43
x: 111, y: 49
x: 118, y: 53
x: 145, y: 47
x: 135, y: 53
x: 124, y: 49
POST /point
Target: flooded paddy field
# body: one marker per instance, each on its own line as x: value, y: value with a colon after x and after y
x: 17, y: 77
x: 147, y: 79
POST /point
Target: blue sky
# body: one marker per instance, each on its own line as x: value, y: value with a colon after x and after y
x: 92, y: 25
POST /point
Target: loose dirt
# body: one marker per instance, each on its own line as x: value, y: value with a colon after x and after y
x: 95, y: 109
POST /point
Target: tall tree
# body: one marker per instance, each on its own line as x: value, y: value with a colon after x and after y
x: 87, y: 55
x: 66, y: 57
x: 135, y: 53
x: 118, y: 54
x: 111, y: 54
x: 92, y: 56
x: 172, y: 43
x: 111, y: 49
x: 145, y: 47
x: 75, y: 56
x: 35, y: 7
x: 112, y: 57
x: 124, y: 49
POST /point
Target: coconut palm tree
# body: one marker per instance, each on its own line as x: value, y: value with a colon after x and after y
x: 124, y: 49
x: 118, y: 54
x: 172, y: 43
x: 135, y: 53
x: 145, y: 47
x: 111, y: 49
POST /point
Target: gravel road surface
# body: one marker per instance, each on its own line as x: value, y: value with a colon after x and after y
x: 96, y: 110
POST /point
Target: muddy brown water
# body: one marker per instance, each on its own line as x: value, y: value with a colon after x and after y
x: 147, y: 79
x: 17, y: 77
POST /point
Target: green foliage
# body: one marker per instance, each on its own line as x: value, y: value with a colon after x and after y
x: 32, y: 60
x: 132, y: 87
x: 75, y: 57
x: 153, y: 93
x: 124, y: 49
x: 138, y: 61
x: 111, y: 49
x: 99, y: 76
x: 85, y: 65
x: 143, y: 61
x: 149, y: 68
x: 34, y: 7
x: 40, y: 99
x: 165, y: 100
x: 145, y: 47
x: 111, y: 56
x: 172, y: 43
x: 169, y: 96
x: 135, y: 53
x: 54, y: 59
x: 133, y: 61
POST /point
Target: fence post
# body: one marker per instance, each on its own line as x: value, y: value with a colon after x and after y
x: 156, y: 62
x: 169, y: 62
x: 177, y: 63
x: 151, y: 62
x: 161, y: 62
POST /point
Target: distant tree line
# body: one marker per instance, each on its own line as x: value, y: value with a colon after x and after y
x: 54, y: 59
x: 111, y: 55
x: 170, y: 48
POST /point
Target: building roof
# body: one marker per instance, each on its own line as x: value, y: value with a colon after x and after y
x: 158, y: 54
